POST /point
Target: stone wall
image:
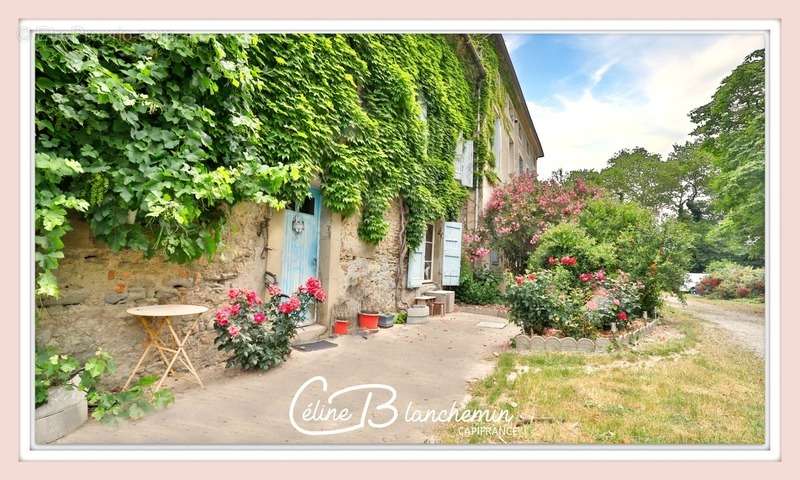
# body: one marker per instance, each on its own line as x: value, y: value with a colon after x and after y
x: 98, y: 285
x: 369, y: 271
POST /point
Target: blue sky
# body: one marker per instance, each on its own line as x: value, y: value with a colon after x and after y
x: 591, y: 95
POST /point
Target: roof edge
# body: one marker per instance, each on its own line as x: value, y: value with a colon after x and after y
x: 516, y: 93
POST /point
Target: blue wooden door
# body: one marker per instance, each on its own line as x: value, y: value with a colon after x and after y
x: 301, y: 246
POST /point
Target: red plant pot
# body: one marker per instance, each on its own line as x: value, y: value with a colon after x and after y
x: 368, y: 321
x: 340, y: 327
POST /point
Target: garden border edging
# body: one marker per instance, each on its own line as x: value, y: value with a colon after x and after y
x: 537, y: 343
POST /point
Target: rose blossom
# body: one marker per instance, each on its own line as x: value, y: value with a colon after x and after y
x: 616, y: 302
x: 320, y: 295
x: 273, y: 289
x: 585, y: 277
x: 519, y: 279
x: 259, y: 317
x: 531, y: 276
x: 600, y: 275
x: 289, y: 306
x: 552, y: 261
x: 312, y: 285
x: 568, y: 261
x: 222, y: 318
x: 233, y: 293
x: 234, y: 309
x: 233, y: 330
x: 252, y: 297
x: 622, y: 316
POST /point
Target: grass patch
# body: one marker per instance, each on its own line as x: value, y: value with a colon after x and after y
x: 690, y: 389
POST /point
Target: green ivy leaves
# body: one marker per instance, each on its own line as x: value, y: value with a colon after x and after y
x: 151, y: 138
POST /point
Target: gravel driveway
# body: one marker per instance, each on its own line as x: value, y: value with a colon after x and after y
x: 743, y: 322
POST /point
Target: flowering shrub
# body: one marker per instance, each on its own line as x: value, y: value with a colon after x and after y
x: 569, y: 245
x: 532, y: 301
x: 730, y: 280
x: 613, y: 300
x: 657, y: 254
x: 258, y: 333
x: 578, y: 305
x: 519, y: 212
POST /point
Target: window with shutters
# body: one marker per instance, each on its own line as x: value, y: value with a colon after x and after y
x: 427, y: 269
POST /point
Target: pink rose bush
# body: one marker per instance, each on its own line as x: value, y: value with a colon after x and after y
x: 576, y: 304
x: 258, y: 333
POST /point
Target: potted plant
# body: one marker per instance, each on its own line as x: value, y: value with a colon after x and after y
x: 341, y: 315
x: 368, y: 315
x: 386, y: 320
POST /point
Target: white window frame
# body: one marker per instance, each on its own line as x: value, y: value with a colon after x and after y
x: 432, y: 246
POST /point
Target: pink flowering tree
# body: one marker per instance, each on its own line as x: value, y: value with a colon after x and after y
x: 519, y: 212
x: 258, y: 333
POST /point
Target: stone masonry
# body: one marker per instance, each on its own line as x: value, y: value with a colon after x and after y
x: 98, y: 285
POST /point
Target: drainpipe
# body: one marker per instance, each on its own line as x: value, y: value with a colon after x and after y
x: 478, y: 188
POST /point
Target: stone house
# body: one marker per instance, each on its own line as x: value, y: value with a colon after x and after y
x: 98, y: 285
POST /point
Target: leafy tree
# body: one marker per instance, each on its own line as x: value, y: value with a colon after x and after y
x: 731, y: 128
x: 637, y: 175
x: 688, y: 170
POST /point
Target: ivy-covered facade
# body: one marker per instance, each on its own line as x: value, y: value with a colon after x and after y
x: 149, y: 142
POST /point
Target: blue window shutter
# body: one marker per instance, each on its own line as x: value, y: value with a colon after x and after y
x: 415, y: 266
x: 466, y: 164
x: 451, y: 254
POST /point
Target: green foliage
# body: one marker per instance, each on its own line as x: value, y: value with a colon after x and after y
x: 401, y: 318
x: 53, y: 369
x: 572, y: 240
x: 151, y: 138
x: 138, y: 400
x: 478, y: 286
x: 542, y: 301
x: 729, y: 280
x: 732, y: 129
x: 656, y: 254
x: 634, y: 175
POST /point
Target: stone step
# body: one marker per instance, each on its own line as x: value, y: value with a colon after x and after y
x: 310, y: 333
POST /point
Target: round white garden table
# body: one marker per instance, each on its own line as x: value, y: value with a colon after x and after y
x: 154, y: 318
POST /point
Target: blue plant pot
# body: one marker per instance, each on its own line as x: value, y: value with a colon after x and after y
x: 386, y: 320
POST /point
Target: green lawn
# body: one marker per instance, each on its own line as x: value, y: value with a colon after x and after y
x: 688, y: 388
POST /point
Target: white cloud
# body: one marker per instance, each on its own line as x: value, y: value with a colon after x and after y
x: 667, y: 77
x: 513, y: 42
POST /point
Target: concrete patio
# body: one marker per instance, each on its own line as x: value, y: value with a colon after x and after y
x: 429, y: 365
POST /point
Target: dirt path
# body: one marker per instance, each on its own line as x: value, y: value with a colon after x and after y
x: 744, y: 323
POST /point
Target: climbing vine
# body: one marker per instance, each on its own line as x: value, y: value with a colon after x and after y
x: 151, y: 138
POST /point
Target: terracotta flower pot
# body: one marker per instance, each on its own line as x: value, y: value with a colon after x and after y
x: 341, y: 327
x: 368, y: 321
